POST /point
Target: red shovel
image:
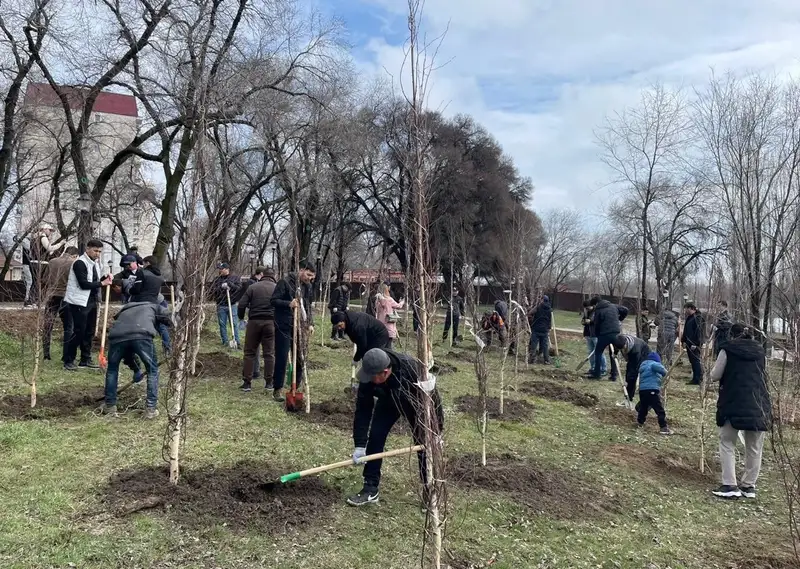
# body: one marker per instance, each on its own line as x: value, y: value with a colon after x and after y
x: 294, y: 398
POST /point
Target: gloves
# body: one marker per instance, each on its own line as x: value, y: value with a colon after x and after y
x: 358, y: 454
x: 334, y: 311
x: 225, y: 286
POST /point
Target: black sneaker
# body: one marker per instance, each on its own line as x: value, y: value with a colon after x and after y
x: 727, y: 492
x: 245, y: 387
x: 70, y: 367
x: 366, y: 496
x: 666, y: 431
x: 90, y: 365
x: 748, y: 491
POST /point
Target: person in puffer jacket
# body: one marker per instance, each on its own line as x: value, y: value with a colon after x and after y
x: 651, y: 374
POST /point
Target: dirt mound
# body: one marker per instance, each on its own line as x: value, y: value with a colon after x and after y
x: 462, y: 355
x: 621, y: 417
x: 762, y: 562
x: 218, y: 365
x: 555, y: 373
x: 311, y: 364
x: 661, y: 465
x: 550, y: 491
x: 51, y: 405
x: 555, y: 392
x: 513, y: 409
x: 211, y: 496
x: 19, y: 323
x: 442, y: 368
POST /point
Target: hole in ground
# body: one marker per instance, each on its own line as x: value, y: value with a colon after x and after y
x: 513, y: 409
x: 52, y: 405
x: 555, y: 374
x: 339, y: 413
x: 621, y: 417
x: 544, y: 489
x: 556, y: 392
x: 212, y: 496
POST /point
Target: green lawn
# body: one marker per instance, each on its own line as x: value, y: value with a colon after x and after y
x: 596, y: 493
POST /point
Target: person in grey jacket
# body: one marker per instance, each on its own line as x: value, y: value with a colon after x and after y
x: 133, y: 331
x: 667, y: 324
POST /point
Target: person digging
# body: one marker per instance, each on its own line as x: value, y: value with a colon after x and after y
x: 365, y: 331
x: 389, y: 387
x: 635, y: 352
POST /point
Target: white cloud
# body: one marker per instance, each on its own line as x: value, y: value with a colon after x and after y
x: 541, y: 75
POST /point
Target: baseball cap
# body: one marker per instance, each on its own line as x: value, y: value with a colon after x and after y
x: 338, y: 317
x: 223, y: 266
x: 127, y: 260
x: 374, y: 362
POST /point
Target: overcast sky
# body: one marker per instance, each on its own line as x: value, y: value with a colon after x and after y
x: 542, y: 74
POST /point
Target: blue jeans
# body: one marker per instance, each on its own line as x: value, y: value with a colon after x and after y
x: 224, y: 320
x: 591, y: 344
x: 540, y: 343
x: 165, y: 342
x: 146, y: 351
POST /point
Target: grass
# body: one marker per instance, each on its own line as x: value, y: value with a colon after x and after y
x: 55, y: 473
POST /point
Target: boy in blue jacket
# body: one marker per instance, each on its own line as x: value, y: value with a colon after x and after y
x: 651, y: 373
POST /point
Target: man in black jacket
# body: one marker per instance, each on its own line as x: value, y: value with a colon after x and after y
x: 365, y: 331
x: 745, y: 405
x: 149, y: 282
x: 455, y: 310
x: 635, y: 351
x: 591, y: 337
x: 285, y: 301
x: 391, y: 385
x: 133, y: 331
x: 340, y: 301
x: 260, y: 331
x: 226, y: 284
x: 541, y: 321
x: 693, y: 339
x: 606, y: 318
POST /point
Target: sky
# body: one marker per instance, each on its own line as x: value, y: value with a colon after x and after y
x: 542, y: 75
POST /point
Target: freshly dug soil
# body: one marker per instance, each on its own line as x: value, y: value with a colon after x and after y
x: 338, y: 413
x: 549, y: 491
x: 622, y: 417
x: 513, y: 409
x: 311, y: 364
x: 552, y: 373
x: 556, y: 392
x: 51, y: 405
x: 442, y: 368
x: 219, y: 365
x: 661, y: 465
x: 19, y: 323
x: 462, y: 355
x: 764, y: 562
x: 235, y: 496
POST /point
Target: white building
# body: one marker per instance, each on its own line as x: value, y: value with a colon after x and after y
x: 128, y: 205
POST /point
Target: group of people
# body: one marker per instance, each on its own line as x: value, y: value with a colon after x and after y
x: 744, y: 403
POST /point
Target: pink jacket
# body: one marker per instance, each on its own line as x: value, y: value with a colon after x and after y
x: 384, y: 305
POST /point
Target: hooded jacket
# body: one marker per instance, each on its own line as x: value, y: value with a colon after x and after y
x: 138, y: 321
x: 542, y: 318
x: 282, y: 297
x: 340, y: 299
x: 744, y: 397
x: 258, y: 299
x: 366, y: 332
x: 401, y: 389
x: 636, y: 349
x: 501, y: 308
x: 606, y: 319
x: 667, y: 326
x: 147, y: 286
x: 650, y: 375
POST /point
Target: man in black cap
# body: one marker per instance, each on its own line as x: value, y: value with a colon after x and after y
x: 391, y: 385
x: 226, y: 286
x: 124, y: 280
x: 340, y: 301
x: 365, y: 331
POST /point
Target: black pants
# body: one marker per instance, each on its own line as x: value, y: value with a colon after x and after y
x: 697, y: 364
x: 651, y: 399
x: 336, y: 333
x: 455, y: 321
x: 388, y: 410
x: 283, y: 346
x: 604, y: 342
x: 84, y: 322
x: 55, y: 308
x: 632, y: 374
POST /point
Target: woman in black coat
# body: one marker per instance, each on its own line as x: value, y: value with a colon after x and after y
x: 744, y: 405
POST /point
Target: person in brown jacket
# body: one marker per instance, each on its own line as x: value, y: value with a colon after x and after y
x: 56, y: 289
x: 260, y: 329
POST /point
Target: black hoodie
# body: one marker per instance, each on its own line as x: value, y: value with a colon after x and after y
x: 744, y: 398
x: 147, y: 286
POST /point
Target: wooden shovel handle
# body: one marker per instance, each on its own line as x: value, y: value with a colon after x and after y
x: 368, y: 458
x: 105, y: 318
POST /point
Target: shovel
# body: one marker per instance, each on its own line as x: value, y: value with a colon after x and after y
x: 232, y: 343
x: 294, y: 398
x: 557, y: 358
x: 102, y: 358
x: 303, y: 473
x: 584, y: 360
